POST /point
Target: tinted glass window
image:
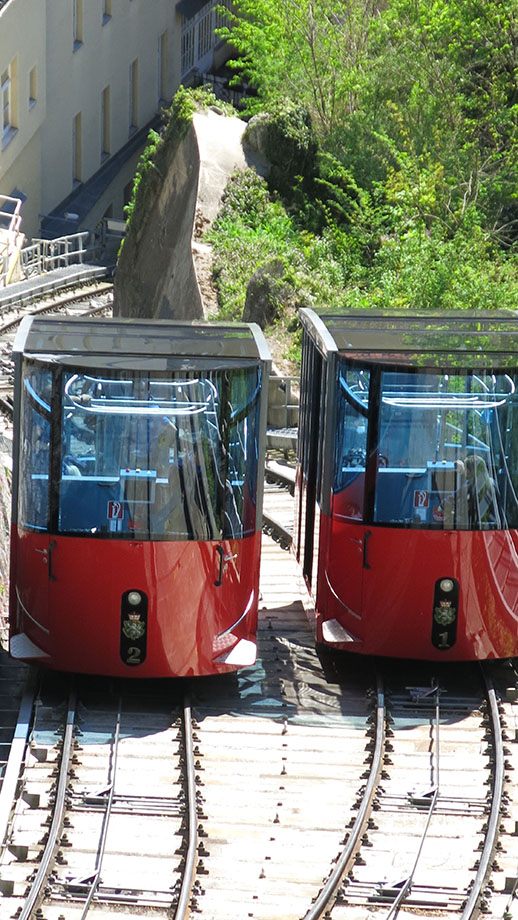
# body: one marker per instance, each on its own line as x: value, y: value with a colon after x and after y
x: 171, y: 458
x: 33, y: 508
x: 351, y: 440
x: 447, y: 451
x: 141, y: 456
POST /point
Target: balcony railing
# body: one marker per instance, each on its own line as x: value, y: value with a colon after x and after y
x: 199, y: 35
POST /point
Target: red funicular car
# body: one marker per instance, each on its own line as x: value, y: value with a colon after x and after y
x: 137, y: 495
x: 407, y: 498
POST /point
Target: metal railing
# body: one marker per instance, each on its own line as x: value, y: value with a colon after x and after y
x: 199, y: 36
x: 46, y: 255
x: 10, y: 237
x: 11, y: 219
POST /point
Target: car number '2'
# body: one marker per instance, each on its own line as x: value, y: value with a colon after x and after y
x: 133, y: 655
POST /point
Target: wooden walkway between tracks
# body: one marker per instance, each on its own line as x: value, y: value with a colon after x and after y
x: 283, y: 593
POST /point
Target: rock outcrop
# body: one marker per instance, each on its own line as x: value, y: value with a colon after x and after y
x: 155, y: 276
x: 266, y: 292
x: 165, y: 269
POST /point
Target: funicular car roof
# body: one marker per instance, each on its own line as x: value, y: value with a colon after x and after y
x: 104, y: 339
x: 457, y: 339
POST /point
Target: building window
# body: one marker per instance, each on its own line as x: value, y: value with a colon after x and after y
x: 5, y: 88
x: 77, y: 146
x: 107, y: 11
x: 33, y: 87
x: 133, y: 96
x: 105, y: 122
x: 162, y: 67
x: 9, y: 101
x: 78, y: 24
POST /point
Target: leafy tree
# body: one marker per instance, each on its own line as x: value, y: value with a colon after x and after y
x: 444, y: 96
x: 310, y: 51
x: 412, y: 197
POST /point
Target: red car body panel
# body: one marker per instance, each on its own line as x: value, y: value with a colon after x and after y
x: 383, y: 595
x: 72, y: 613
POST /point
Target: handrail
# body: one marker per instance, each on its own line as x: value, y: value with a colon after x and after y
x: 45, y: 255
x: 15, y: 218
x: 10, y: 224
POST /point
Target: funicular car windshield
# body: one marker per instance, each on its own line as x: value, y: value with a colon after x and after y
x: 442, y: 447
x: 141, y: 455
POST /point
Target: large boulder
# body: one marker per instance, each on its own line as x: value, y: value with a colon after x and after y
x: 266, y: 293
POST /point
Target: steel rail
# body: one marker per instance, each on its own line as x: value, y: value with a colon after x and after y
x: 56, y: 306
x: 60, y: 293
x: 59, y: 806
x: 189, y: 871
x: 330, y: 886
x: 95, y: 878
x: 275, y: 529
x: 496, y: 801
x: 6, y: 407
x: 16, y: 752
x: 407, y: 886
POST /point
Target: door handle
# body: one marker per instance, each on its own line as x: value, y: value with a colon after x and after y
x: 366, y: 538
x: 221, y: 553
x: 47, y: 554
x: 52, y: 547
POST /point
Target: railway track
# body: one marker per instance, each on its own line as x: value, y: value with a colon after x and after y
x: 433, y: 802
x: 107, y: 819
x: 92, y: 297
x: 349, y: 801
x: 314, y: 795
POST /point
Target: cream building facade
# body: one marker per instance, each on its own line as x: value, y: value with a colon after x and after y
x: 23, y: 100
x: 81, y: 82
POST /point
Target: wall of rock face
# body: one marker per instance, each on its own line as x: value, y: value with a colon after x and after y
x: 155, y: 277
x: 164, y: 269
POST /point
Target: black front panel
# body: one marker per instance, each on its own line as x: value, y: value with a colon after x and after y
x: 445, y: 613
x: 133, y: 639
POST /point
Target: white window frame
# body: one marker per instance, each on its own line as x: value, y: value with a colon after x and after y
x: 133, y: 96
x: 5, y: 91
x: 77, y: 150
x: 33, y: 87
x: 105, y: 123
x: 162, y: 67
x: 78, y: 23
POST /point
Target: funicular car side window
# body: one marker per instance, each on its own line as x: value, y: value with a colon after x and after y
x: 241, y: 471
x: 35, y: 447
x: 449, y: 447
x: 351, y: 440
